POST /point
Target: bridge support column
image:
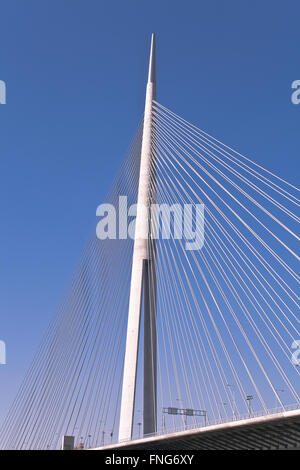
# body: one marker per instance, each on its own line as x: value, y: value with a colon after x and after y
x: 150, y: 360
x: 140, y: 267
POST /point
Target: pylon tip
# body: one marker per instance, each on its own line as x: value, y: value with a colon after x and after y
x: 151, y: 75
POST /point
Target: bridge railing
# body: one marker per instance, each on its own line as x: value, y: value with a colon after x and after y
x: 239, y: 417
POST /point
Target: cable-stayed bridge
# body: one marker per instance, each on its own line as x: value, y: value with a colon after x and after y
x: 180, y: 325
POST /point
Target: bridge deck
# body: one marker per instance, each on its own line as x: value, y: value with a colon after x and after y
x: 276, y: 431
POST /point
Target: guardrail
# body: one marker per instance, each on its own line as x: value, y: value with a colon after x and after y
x: 214, y: 422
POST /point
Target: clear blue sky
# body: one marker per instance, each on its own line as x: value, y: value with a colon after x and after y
x: 75, y: 72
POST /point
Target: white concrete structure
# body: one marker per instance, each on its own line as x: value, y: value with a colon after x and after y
x: 279, y: 430
x: 141, y: 265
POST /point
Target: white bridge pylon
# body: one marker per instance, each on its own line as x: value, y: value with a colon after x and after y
x: 142, y: 282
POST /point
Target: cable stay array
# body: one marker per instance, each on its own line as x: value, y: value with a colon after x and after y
x: 225, y: 269
x: 228, y: 313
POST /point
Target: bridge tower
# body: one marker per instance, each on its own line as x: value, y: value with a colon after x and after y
x: 143, y: 285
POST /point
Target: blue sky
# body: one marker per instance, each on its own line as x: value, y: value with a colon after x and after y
x: 75, y: 73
